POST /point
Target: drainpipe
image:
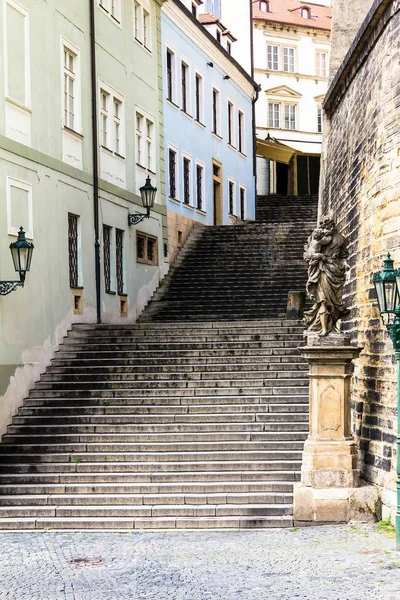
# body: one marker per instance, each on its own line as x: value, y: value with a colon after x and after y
x: 95, y: 157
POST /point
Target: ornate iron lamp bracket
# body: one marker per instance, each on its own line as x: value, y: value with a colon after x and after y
x: 6, y: 287
x: 136, y: 218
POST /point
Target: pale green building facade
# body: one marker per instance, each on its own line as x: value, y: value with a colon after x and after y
x: 47, y: 179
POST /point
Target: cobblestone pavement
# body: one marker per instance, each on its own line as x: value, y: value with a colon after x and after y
x: 320, y: 563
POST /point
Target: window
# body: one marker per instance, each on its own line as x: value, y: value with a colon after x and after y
x: 274, y: 115
x: 199, y: 187
x: 145, y: 153
x: 112, y: 8
x: 146, y: 29
x: 117, y: 126
x: 216, y: 110
x: 107, y: 257
x: 194, y: 9
x: 242, y: 203
x: 230, y: 123
x: 119, y: 249
x: 218, y: 36
x: 289, y: 57
x: 305, y: 13
x: 322, y: 64
x: 264, y: 6
x: 69, y: 88
x: 112, y: 119
x: 172, y: 155
x: 170, y: 75
x: 231, y: 197
x: 73, y: 250
x: 199, y: 98
x: 142, y: 24
x: 186, y: 180
x: 241, y: 147
x: 184, y: 84
x: 320, y: 121
x: 229, y: 47
x: 273, y: 57
x: 290, y: 116
x: 146, y: 249
x: 19, y: 207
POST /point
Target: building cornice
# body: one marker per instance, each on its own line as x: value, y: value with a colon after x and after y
x: 375, y: 23
x: 269, y: 73
x: 226, y: 62
x: 307, y: 31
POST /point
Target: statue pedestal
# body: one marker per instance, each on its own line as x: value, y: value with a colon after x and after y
x: 329, y: 473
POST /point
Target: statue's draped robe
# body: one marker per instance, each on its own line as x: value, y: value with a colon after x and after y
x: 325, y: 283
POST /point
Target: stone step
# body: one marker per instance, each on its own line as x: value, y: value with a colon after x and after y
x: 155, y: 523
x: 165, y: 362
x: 208, y: 476
x: 200, y: 339
x: 140, y: 330
x: 284, y: 342
x: 211, y: 354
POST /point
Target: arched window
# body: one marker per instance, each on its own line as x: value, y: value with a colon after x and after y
x: 305, y: 13
x: 264, y: 6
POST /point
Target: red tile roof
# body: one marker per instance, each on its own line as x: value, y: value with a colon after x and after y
x: 289, y: 13
x: 208, y: 19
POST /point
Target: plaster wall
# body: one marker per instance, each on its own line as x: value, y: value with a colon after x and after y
x: 196, y: 140
x: 33, y: 320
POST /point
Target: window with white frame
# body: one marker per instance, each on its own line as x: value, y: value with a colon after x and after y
x: 171, y: 75
x: 172, y: 173
x: 142, y: 23
x: 145, y: 141
x: 289, y: 60
x: 216, y: 108
x: 231, y: 196
x: 16, y: 52
x: 242, y: 200
x: 290, y: 116
x: 321, y: 64
x: 199, y: 93
x: 112, y: 8
x: 112, y: 120
x: 241, y: 132
x: 200, y: 187
x: 320, y: 120
x: 69, y: 88
x: 185, y: 91
x: 230, y: 123
x: 273, y: 57
x: 19, y: 207
x: 274, y: 115
x: 187, y: 180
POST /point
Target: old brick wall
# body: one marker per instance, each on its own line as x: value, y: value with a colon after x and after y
x: 362, y: 189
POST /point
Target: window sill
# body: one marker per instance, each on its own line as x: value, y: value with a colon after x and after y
x: 232, y: 147
x: 111, y: 292
x: 189, y: 206
x: 73, y: 132
x: 76, y: 287
x: 174, y: 200
x: 200, y: 124
x: 242, y: 154
x: 122, y: 294
x: 172, y: 103
x: 141, y: 167
x: 120, y: 156
x: 217, y: 136
x: 110, y: 152
x: 201, y: 211
x: 18, y: 104
x: 143, y: 261
x: 187, y: 115
x: 110, y: 16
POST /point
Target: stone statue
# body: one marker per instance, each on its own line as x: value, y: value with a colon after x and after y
x: 325, y: 253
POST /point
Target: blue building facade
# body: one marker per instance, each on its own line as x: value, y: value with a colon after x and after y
x: 208, y: 125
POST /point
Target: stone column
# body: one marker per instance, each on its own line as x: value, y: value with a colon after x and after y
x: 329, y: 473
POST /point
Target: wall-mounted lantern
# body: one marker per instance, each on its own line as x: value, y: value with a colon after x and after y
x: 387, y: 286
x: 21, y: 252
x: 148, y: 195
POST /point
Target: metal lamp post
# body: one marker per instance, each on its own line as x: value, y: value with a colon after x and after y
x: 148, y: 195
x: 387, y: 286
x: 21, y: 252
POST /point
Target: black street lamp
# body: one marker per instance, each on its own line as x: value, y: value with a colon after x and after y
x: 21, y: 252
x: 148, y: 195
x: 387, y: 286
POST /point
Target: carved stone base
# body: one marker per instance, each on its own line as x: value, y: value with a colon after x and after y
x: 335, y: 505
x: 332, y: 340
x: 330, y: 464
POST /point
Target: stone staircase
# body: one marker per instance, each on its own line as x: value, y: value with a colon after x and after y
x: 168, y: 423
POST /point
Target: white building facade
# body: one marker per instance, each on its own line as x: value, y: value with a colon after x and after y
x: 291, y: 60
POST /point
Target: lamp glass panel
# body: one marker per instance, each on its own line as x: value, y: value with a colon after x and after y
x: 380, y: 293
x: 391, y: 295
x: 398, y: 286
